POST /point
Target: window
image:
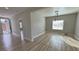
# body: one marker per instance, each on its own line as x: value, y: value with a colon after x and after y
x: 57, y: 24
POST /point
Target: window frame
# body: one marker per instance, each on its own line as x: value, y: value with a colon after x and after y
x: 62, y: 28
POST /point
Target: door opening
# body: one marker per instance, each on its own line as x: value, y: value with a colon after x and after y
x: 5, y: 23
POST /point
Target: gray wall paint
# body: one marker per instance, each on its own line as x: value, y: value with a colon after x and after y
x: 77, y: 27
x: 25, y: 17
x: 69, y: 23
x: 38, y: 19
x: 37, y: 24
x: 34, y: 22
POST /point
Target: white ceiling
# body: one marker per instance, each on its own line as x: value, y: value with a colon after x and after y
x: 49, y: 12
x: 11, y: 11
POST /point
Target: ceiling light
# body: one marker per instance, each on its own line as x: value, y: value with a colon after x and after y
x: 56, y: 15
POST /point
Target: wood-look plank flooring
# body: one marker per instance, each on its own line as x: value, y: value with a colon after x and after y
x: 46, y: 42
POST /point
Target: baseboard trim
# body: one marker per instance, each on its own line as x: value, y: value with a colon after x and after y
x: 37, y: 36
x: 29, y: 39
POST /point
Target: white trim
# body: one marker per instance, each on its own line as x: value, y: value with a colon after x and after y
x: 76, y: 37
x: 25, y: 38
x: 37, y: 36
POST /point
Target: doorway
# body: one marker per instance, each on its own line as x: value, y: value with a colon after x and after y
x: 5, y: 24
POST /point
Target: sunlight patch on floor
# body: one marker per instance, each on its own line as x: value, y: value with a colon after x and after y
x: 70, y: 41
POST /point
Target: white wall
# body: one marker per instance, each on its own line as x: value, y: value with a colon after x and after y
x: 77, y: 28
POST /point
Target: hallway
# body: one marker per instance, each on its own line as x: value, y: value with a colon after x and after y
x: 46, y: 42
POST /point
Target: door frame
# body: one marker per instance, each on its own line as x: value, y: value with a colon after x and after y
x: 10, y: 25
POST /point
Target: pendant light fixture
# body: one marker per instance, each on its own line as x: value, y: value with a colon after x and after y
x: 56, y: 18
